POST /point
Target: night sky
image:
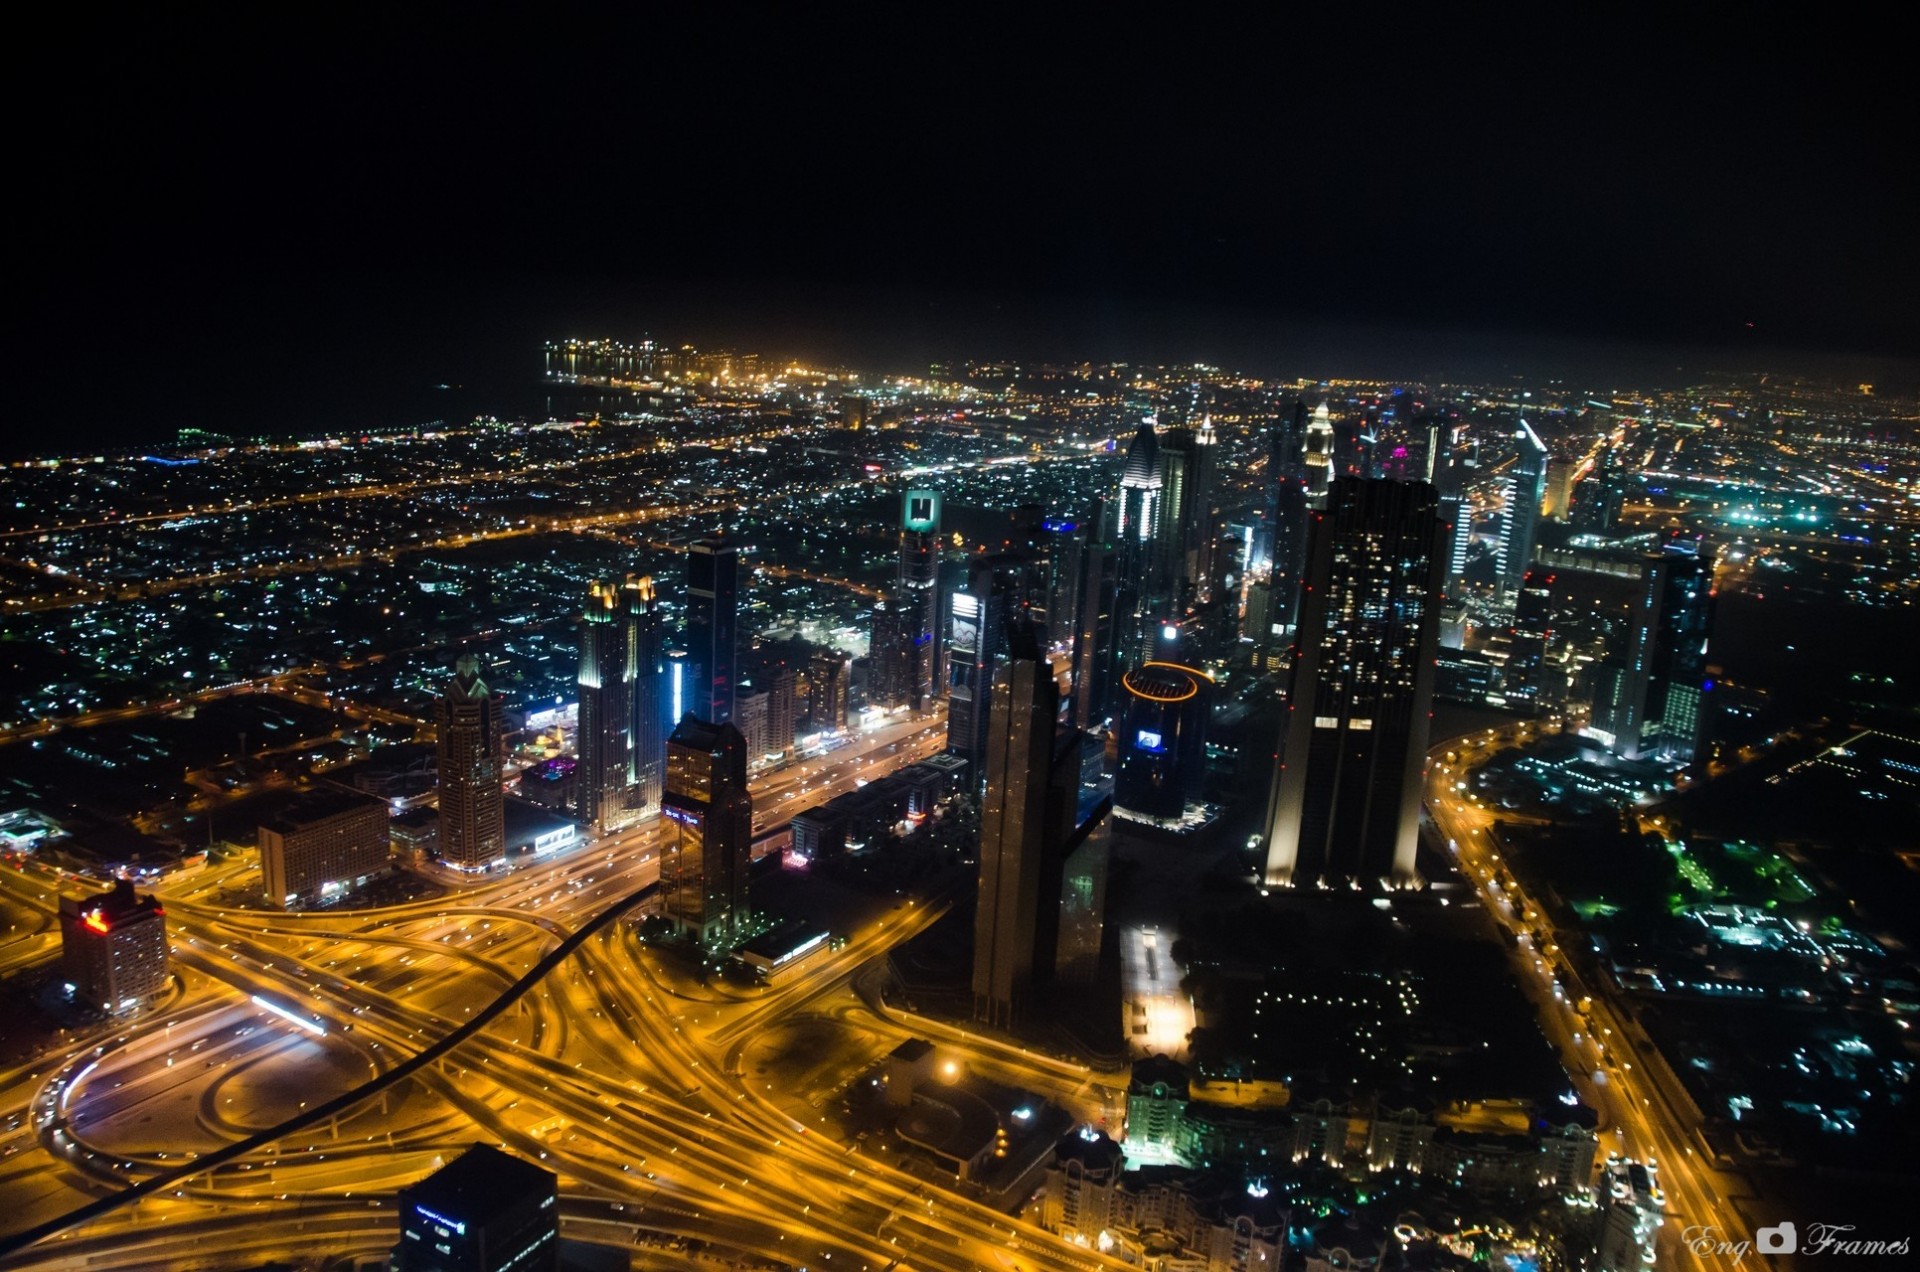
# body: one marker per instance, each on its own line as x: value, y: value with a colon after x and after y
x: 254, y: 225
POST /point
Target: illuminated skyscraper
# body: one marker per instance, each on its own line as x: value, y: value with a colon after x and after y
x: 1678, y: 676
x: 976, y: 636
x: 603, y: 780
x: 1182, y: 536
x: 1345, y: 806
x: 1319, y: 457
x: 1526, y: 488
x: 703, y: 870
x: 1138, y: 595
x: 917, y: 597
x: 1026, y: 823
x: 647, y: 673
x: 473, y: 829
x: 713, y: 615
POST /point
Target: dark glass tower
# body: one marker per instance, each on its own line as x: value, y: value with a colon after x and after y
x: 1288, y: 518
x: 713, y: 615
x: 1678, y: 679
x: 977, y: 636
x: 1529, y: 639
x: 1026, y: 829
x: 1345, y: 807
x: 703, y: 871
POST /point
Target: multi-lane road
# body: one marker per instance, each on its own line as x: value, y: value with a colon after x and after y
x: 613, y: 1071
x: 1602, y: 1048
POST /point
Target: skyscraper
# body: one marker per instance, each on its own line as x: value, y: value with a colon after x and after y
x: 473, y: 828
x: 1345, y: 806
x: 976, y: 637
x: 1093, y: 639
x: 647, y: 672
x: 1319, y: 457
x: 916, y: 594
x: 1678, y: 676
x: 1026, y: 821
x: 1526, y: 488
x: 713, y: 610
x: 1287, y: 500
x: 603, y: 779
x: 703, y: 870
x: 1596, y: 501
x: 1529, y: 639
x: 1136, y: 527
x: 1182, y: 536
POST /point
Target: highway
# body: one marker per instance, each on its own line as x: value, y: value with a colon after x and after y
x: 604, y: 1068
x: 1598, y: 1042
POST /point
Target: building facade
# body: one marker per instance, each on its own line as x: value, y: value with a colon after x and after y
x: 713, y: 619
x: 703, y: 869
x: 322, y: 847
x: 1345, y: 804
x: 113, y: 948
x: 473, y: 830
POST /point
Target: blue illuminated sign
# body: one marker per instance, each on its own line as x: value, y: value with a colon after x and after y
x: 1148, y: 740
x: 442, y: 1220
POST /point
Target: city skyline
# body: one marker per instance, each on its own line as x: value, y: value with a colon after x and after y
x: 791, y: 638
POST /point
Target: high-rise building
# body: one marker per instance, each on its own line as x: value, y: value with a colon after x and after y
x: 1026, y: 820
x: 1678, y: 676
x: 1619, y: 684
x: 1319, y: 457
x: 603, y: 778
x: 1458, y: 513
x: 322, y: 846
x: 887, y: 678
x: 1345, y: 806
x: 917, y: 597
x: 703, y: 870
x: 977, y: 636
x: 1163, y: 742
x: 1093, y: 640
x: 1526, y: 488
x: 1529, y: 639
x: 1183, y: 534
x: 1138, y: 591
x: 751, y: 710
x: 1288, y: 517
x: 713, y: 616
x: 113, y: 948
x: 1596, y: 501
x: 827, y: 691
x: 473, y: 827
x: 484, y: 1211
x: 647, y: 672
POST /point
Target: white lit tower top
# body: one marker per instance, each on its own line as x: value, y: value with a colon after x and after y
x: 1319, y: 453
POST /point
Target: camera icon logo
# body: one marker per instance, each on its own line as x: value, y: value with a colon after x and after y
x: 1779, y: 1239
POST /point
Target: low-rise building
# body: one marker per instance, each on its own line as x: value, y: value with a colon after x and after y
x: 323, y: 846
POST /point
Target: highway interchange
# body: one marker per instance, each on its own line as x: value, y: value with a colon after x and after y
x: 617, y: 1071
